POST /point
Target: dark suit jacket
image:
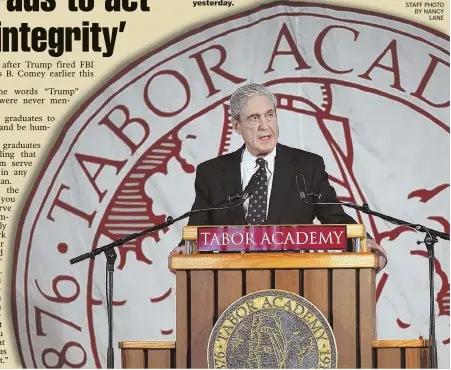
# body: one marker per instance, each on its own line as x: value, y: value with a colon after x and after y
x: 220, y: 177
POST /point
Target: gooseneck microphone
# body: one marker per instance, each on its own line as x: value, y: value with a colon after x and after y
x: 241, y: 196
x: 302, y: 189
x: 300, y: 183
x: 246, y: 193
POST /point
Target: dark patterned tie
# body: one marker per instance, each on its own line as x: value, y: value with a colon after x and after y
x: 256, y: 213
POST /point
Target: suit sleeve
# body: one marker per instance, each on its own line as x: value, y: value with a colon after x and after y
x: 328, y: 213
x: 201, y: 199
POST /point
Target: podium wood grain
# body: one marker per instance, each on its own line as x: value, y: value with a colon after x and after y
x: 316, y: 289
x: 133, y: 358
x: 344, y: 316
x: 416, y: 358
x: 182, y: 305
x: 230, y: 288
x: 202, y: 315
x: 283, y: 260
x: 367, y: 315
x: 159, y: 359
x: 257, y: 280
x: 388, y: 358
x: 288, y: 280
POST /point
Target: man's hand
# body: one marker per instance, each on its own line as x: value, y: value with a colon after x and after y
x: 176, y: 250
x: 381, y: 253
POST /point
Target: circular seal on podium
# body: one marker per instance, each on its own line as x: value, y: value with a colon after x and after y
x: 272, y: 329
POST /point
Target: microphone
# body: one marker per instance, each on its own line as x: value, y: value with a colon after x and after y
x: 300, y: 183
x: 242, y: 196
x: 246, y: 193
x: 302, y: 189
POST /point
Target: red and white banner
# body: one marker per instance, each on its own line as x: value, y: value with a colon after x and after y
x: 368, y: 92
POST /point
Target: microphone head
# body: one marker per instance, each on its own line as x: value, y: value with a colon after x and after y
x: 300, y: 182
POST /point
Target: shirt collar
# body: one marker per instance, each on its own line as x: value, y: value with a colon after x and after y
x: 249, y: 160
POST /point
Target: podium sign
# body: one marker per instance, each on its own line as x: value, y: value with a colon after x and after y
x: 271, y: 238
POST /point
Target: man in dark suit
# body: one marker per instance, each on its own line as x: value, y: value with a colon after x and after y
x: 220, y: 177
x: 275, y: 199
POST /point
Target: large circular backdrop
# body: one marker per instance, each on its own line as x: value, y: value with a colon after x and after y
x: 368, y: 92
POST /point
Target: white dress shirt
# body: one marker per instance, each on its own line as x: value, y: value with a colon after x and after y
x: 249, y: 166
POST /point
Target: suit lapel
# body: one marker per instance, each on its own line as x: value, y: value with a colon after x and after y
x: 231, y: 183
x: 283, y: 173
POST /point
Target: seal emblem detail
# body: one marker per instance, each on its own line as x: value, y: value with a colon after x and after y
x: 272, y: 329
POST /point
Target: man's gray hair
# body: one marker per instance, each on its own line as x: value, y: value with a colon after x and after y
x: 240, y: 97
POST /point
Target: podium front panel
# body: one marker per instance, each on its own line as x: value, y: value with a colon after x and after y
x: 343, y: 293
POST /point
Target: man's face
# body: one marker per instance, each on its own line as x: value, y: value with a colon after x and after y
x: 258, y: 127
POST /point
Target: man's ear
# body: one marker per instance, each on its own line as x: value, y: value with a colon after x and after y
x: 236, y: 126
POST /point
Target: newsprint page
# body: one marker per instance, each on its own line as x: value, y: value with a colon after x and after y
x: 108, y: 107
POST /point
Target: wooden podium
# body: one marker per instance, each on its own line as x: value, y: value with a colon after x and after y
x: 341, y: 285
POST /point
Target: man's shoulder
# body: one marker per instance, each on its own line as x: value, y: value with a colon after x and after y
x: 299, y: 154
x: 294, y: 154
x: 220, y: 161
